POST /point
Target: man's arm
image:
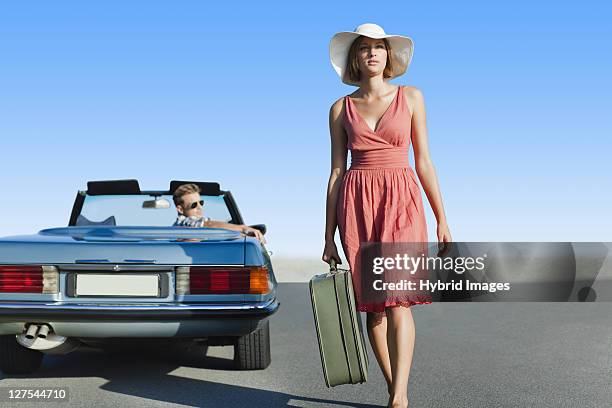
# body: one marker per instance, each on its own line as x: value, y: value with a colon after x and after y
x: 234, y: 227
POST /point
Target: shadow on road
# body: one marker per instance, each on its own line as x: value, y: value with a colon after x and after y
x: 146, y: 373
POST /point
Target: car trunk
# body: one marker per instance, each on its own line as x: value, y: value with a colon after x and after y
x: 126, y: 245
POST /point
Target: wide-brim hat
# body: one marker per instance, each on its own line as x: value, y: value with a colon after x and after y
x: 401, y: 46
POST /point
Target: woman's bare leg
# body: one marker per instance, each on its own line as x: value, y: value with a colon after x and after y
x: 377, y: 333
x: 400, y: 337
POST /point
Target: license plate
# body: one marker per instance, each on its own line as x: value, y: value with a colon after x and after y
x: 117, y: 285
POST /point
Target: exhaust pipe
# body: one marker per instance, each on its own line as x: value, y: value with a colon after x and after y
x: 41, y: 337
x: 43, y: 331
x: 32, y: 331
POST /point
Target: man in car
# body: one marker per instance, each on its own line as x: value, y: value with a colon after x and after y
x: 190, y: 205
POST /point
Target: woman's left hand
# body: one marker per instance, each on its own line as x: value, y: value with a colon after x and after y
x: 444, y: 235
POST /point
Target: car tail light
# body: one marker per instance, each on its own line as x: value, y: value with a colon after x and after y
x: 203, y: 280
x: 28, y: 279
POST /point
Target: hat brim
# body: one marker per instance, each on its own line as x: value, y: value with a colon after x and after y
x: 402, y: 47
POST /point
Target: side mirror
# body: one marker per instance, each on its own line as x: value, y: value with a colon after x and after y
x: 260, y: 227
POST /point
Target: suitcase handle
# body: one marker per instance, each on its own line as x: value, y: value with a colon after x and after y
x: 333, y: 268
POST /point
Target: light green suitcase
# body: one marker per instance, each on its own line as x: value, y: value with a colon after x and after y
x: 339, y: 330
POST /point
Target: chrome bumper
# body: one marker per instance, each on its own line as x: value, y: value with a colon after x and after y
x: 57, y: 311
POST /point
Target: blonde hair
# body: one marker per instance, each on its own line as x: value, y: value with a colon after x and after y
x: 352, y: 64
x: 182, y: 190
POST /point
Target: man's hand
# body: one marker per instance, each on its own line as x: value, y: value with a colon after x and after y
x: 254, y: 232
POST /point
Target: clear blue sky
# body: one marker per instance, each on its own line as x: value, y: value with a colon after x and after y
x: 517, y: 95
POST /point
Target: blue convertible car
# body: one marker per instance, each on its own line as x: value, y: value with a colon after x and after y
x: 120, y: 270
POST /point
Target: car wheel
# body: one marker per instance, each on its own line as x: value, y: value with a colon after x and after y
x: 16, y: 359
x: 252, y: 352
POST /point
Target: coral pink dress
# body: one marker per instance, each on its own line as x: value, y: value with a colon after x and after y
x: 379, y: 198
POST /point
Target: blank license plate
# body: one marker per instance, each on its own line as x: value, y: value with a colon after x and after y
x: 117, y: 285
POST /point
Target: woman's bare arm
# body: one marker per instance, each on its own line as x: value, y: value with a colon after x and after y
x: 338, y: 167
x: 422, y: 159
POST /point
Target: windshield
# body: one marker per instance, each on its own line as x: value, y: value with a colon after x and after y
x: 127, y: 210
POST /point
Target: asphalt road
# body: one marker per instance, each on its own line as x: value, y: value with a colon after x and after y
x: 466, y: 355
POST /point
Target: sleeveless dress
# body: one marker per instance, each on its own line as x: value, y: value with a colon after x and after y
x: 379, y: 198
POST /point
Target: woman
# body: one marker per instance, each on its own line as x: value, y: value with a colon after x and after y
x: 378, y: 199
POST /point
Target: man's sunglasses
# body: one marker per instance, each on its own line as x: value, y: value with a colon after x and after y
x: 194, y: 205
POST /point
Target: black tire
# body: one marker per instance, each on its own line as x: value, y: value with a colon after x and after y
x: 252, y: 352
x: 16, y: 359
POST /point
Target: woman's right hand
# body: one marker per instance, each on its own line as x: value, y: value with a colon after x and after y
x: 331, y: 252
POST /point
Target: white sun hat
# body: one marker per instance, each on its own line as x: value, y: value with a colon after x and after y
x: 402, y: 48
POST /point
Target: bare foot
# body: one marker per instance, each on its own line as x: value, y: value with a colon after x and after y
x: 398, y: 402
